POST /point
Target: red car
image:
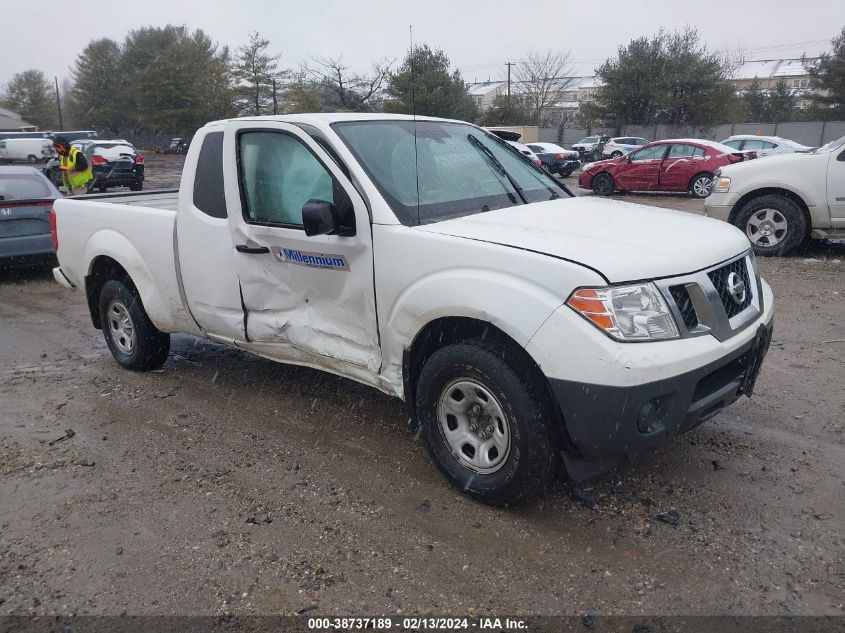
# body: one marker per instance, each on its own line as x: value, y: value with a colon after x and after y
x: 684, y: 165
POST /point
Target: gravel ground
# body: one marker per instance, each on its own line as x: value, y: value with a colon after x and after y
x: 224, y: 483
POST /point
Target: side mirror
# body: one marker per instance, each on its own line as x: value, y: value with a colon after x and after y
x: 320, y: 217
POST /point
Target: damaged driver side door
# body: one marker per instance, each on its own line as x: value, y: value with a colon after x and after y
x: 306, y: 300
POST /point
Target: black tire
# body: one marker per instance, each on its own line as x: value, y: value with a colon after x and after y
x: 603, y: 184
x: 701, y: 185
x: 102, y: 188
x: 151, y: 347
x: 782, y: 212
x: 532, y: 460
x: 32, y: 159
x: 566, y: 173
x: 136, y: 186
x: 616, y: 154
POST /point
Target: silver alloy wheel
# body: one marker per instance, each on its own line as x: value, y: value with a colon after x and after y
x: 474, y: 424
x: 766, y: 227
x: 121, y: 328
x: 702, y: 185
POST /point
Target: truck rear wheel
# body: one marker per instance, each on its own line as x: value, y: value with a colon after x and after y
x: 132, y: 338
x: 775, y: 225
x: 486, y: 422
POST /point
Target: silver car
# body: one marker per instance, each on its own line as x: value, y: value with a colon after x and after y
x: 764, y: 145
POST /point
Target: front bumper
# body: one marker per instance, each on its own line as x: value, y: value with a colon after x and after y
x: 607, y: 424
x: 719, y: 205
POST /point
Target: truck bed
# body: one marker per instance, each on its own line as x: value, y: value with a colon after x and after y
x: 167, y: 199
x: 137, y: 232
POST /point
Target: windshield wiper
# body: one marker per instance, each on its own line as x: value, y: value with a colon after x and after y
x: 492, y: 158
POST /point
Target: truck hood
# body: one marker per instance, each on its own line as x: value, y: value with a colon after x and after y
x: 620, y: 240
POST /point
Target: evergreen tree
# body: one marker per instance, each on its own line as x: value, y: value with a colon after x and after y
x: 94, y: 100
x: 780, y: 105
x: 187, y: 84
x: 256, y: 69
x: 424, y: 83
x: 30, y: 95
x: 754, y: 99
x: 827, y: 74
x: 669, y: 78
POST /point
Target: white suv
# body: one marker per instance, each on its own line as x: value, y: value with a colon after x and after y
x: 783, y: 201
x: 616, y: 147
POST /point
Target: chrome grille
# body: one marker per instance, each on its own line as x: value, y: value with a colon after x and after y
x: 685, y: 307
x: 702, y: 302
x: 719, y: 277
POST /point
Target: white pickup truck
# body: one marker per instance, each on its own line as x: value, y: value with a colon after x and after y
x: 785, y: 200
x: 428, y: 259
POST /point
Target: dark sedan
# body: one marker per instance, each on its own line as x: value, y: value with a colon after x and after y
x: 556, y: 159
x: 115, y: 163
x: 26, y: 197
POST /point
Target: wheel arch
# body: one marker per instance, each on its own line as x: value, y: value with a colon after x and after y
x: 770, y: 191
x: 102, y: 269
x: 703, y: 172
x: 449, y: 330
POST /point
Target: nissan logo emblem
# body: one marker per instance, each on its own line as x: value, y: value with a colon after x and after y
x: 736, y: 287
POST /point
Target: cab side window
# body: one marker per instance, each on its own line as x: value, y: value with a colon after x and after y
x: 277, y: 175
x: 208, y: 180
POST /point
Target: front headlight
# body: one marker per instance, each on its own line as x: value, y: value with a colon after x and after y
x: 723, y: 184
x: 626, y: 313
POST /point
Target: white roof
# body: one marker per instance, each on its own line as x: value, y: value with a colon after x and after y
x: 331, y: 117
x: 485, y: 88
x: 769, y: 68
x: 773, y: 139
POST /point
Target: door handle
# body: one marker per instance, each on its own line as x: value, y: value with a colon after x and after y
x: 251, y: 250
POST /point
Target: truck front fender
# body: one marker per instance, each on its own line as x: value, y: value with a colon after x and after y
x: 512, y: 304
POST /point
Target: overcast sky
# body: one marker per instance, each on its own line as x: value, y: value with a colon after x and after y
x: 478, y: 35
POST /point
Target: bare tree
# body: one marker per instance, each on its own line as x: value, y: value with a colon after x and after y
x: 343, y: 89
x: 542, y: 79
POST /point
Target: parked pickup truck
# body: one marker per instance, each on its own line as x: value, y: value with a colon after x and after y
x: 428, y: 259
x: 785, y: 200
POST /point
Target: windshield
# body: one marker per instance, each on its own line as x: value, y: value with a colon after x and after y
x: 829, y: 147
x: 460, y: 170
x: 589, y: 139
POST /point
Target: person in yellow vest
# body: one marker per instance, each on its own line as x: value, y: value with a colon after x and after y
x: 77, y: 175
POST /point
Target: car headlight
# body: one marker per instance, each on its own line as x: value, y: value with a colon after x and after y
x: 723, y: 184
x: 626, y: 313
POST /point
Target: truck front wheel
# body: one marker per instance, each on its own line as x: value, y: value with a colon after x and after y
x: 486, y: 422
x: 132, y: 338
x: 775, y: 225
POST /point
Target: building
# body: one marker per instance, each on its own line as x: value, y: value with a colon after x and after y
x: 769, y: 72
x: 483, y: 94
x: 12, y: 122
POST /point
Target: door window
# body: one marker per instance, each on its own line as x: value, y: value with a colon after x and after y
x: 685, y: 151
x: 754, y: 144
x: 278, y: 174
x: 649, y: 153
x: 734, y: 143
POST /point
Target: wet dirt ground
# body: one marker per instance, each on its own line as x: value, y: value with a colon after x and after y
x: 224, y: 483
